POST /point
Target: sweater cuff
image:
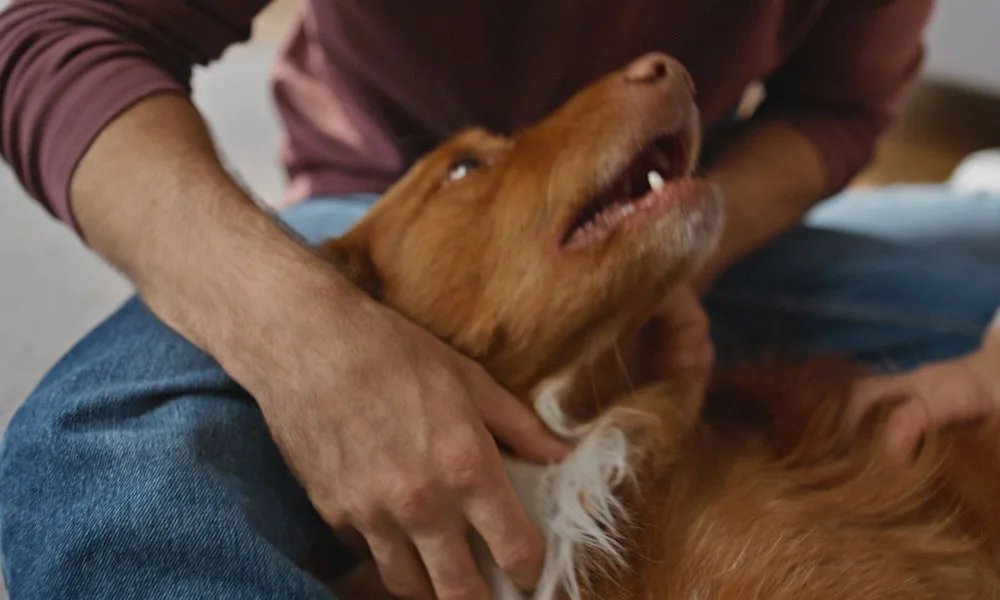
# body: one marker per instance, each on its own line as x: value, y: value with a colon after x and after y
x: 85, y: 109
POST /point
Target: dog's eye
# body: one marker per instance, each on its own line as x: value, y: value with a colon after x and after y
x: 462, y: 167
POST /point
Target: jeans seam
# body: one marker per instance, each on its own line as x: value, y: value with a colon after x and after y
x: 839, y: 310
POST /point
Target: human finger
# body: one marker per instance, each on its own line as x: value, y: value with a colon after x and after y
x: 514, y: 542
x: 448, y: 561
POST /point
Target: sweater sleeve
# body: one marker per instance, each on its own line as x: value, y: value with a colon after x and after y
x: 845, y: 82
x: 69, y: 67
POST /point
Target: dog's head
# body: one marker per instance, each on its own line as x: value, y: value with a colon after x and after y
x: 531, y: 251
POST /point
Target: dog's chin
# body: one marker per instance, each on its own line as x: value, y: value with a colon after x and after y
x: 677, y: 241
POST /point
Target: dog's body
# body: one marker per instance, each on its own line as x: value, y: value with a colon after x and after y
x: 763, y: 498
x: 544, y: 256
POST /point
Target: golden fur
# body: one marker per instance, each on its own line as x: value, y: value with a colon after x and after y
x: 752, y: 493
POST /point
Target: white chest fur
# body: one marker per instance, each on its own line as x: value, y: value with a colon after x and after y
x: 573, y: 504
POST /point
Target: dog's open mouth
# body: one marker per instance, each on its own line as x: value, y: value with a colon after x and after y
x: 642, y: 192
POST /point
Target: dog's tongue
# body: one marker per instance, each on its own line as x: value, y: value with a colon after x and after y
x: 629, y: 212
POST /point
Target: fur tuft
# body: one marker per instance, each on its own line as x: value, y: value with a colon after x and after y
x: 575, y: 504
x: 585, y: 516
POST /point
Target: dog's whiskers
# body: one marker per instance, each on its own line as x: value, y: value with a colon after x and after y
x: 621, y: 365
x: 593, y: 387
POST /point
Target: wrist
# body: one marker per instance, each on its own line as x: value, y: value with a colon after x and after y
x: 230, y: 279
x: 267, y: 288
x: 152, y: 198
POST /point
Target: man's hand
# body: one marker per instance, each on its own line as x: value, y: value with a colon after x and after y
x: 675, y: 346
x: 684, y: 326
x: 934, y: 396
x: 387, y: 428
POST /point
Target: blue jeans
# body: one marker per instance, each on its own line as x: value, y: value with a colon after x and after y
x: 138, y: 469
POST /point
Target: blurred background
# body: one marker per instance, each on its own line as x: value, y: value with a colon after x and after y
x: 52, y: 290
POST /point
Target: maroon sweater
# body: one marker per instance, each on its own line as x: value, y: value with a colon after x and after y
x: 366, y: 86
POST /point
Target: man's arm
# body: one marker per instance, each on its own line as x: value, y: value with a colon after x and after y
x: 94, y: 93
x: 151, y: 196
x: 351, y: 392
x: 824, y: 111
x: 68, y: 67
x: 770, y: 174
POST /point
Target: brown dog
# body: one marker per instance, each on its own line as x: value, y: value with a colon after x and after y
x: 542, y: 256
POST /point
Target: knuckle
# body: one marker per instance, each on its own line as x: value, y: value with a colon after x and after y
x: 462, y: 459
x: 412, y: 500
x: 522, y: 555
x: 361, y: 510
x: 441, y: 377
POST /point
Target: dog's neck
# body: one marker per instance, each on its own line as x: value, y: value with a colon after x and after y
x: 613, y: 364
x: 607, y: 367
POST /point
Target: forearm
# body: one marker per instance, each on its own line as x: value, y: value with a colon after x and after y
x: 68, y: 67
x: 151, y: 197
x: 770, y: 175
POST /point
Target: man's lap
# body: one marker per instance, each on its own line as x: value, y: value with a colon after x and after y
x: 137, y: 456
x: 138, y: 466
x: 895, y: 277
x: 929, y: 216
x: 823, y: 291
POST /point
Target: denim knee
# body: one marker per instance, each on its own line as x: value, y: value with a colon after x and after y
x: 138, y: 468
x: 816, y: 291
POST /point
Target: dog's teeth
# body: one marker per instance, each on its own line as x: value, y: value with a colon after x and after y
x: 655, y: 181
x: 627, y: 210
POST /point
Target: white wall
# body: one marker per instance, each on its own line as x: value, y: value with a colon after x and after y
x: 963, y: 47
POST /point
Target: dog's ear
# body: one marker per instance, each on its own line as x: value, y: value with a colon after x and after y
x: 349, y: 254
